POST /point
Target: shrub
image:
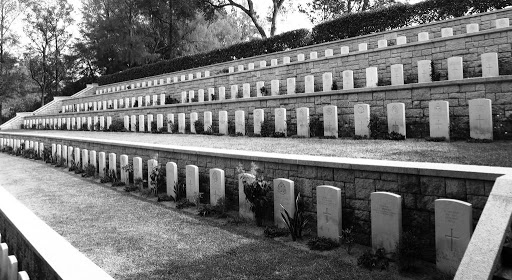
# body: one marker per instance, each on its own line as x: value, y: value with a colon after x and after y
x: 199, y: 127
x: 378, y: 127
x: 322, y: 244
x: 298, y: 222
x: 370, y: 260
x: 267, y: 128
x: 316, y: 126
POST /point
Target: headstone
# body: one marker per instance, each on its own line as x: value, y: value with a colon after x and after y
x: 162, y: 99
x: 70, y: 156
x: 141, y: 123
x: 259, y: 85
x: 59, y: 152
x: 490, y: 65
x: 330, y: 121
x: 240, y: 122
x: 200, y: 95
x: 363, y: 47
x: 328, y: 212
x: 192, y: 175
x: 193, y: 118
x: 223, y: 122
x: 77, y: 158
x: 22, y: 275
x: 159, y: 121
x: 446, y: 32
x: 109, y: 122
x: 85, y: 158
x: 454, y: 226
x: 397, y: 74
x: 259, y: 117
x: 423, y: 36
x: 181, y: 122
x: 244, y: 206
x: 211, y: 93
x: 348, y: 79
x: 382, y: 43
x: 246, y: 90
x: 171, y: 172
x: 401, y: 40
x: 372, y: 78
x: 313, y: 55
x: 286, y: 60
x: 183, y: 97
x: 480, y: 119
x: 250, y: 66
x: 309, y: 84
x: 345, y: 50
x: 396, y: 118
x: 191, y: 96
x: 439, y: 119
x: 424, y: 71
x: 112, y: 163
x: 123, y: 162
x: 4, y: 255
x: 274, y: 87
x: 115, y: 104
x: 455, y: 71
x: 190, y: 76
x: 133, y: 123
x: 240, y: 68
x: 12, y: 268
x: 273, y: 62
x: 300, y: 57
x: 175, y: 79
x: 64, y: 154
x: 362, y: 119
x: 170, y: 122
x: 152, y: 164
x: 208, y: 121
x: 102, y: 163
x: 234, y: 91
x: 137, y: 168
x: 386, y: 220
x: 217, y: 186
x: 502, y: 23
x: 303, y: 122
x: 222, y: 93
x: 155, y: 100
x: 290, y: 86
x: 329, y: 52
x: 472, y: 28
x: 280, y: 120
x: 327, y: 81
x: 284, y: 194
x: 90, y: 123
x: 263, y: 64
x: 92, y: 158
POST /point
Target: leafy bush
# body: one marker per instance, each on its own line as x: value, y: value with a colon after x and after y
x: 322, y: 244
x: 267, y: 128
x: 199, y: 127
x: 258, y: 192
x: 117, y: 125
x: 296, y: 224
x: 378, y: 127
x: 158, y: 178
x: 316, y: 126
x: 370, y: 261
x: 347, y: 239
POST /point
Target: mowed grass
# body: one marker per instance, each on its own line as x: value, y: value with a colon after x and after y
x: 498, y: 153
x: 132, y: 238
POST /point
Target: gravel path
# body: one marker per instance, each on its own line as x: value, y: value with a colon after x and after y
x: 131, y: 238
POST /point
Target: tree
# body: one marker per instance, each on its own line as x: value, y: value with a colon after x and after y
x: 12, y: 79
x: 247, y: 6
x: 322, y: 10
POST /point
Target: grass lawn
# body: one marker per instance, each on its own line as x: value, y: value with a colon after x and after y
x: 498, y: 153
x: 132, y: 238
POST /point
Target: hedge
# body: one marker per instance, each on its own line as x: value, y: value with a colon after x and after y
x: 346, y: 26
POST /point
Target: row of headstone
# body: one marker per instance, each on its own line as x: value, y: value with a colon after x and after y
x: 455, y: 72
x: 122, y: 103
x: 344, y: 50
x: 9, y: 265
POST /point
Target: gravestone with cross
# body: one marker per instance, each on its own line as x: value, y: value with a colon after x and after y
x: 244, y: 206
x: 274, y: 87
x: 328, y: 209
x: 453, y: 229
x: 303, y: 122
x: 137, y: 168
x: 396, y: 118
x: 490, y: 65
x: 181, y: 122
x: 171, y: 174
x: 330, y: 121
x: 455, y: 70
x: 424, y: 71
x: 290, y: 86
x: 362, y: 119
x: 240, y: 122
x: 246, y: 90
x: 280, y: 120
x: 217, y: 185
x: 200, y: 95
x: 234, y: 91
x: 192, y: 182
x: 309, y: 84
x: 193, y: 118
x: 348, y: 79
x: 372, y: 77
x: 259, y: 117
x: 327, y: 81
x: 439, y: 119
x: 480, y: 119
x: 397, y: 74
x: 208, y: 120
x: 222, y: 93
x: 386, y: 220
x: 223, y: 122
x: 284, y: 194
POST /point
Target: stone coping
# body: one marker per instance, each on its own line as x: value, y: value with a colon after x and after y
x: 476, y: 172
x: 194, y: 70
x: 59, y: 254
x: 412, y: 86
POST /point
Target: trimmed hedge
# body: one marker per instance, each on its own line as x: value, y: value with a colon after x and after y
x: 346, y: 26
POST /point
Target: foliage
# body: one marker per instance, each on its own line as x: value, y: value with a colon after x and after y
x: 274, y: 231
x: 347, y: 239
x: 378, y: 127
x: 180, y: 191
x: 321, y: 10
x: 117, y: 125
x: 395, y: 136
x: 410, y: 250
x: 316, y: 126
x: 370, y: 260
x: 199, y: 127
x: 218, y: 210
x: 158, y: 179
x: 296, y: 224
x: 459, y: 129
x: 322, y: 244
x: 90, y: 171
x: 257, y: 191
x: 47, y: 154
x: 267, y: 128
x: 502, y: 127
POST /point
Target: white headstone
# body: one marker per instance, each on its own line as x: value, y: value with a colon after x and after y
x: 386, y: 219
x: 309, y: 84
x: 327, y: 81
x: 439, y: 119
x: 244, y: 206
x: 70, y: 155
x: 472, y: 28
x: 363, y: 47
x: 200, y: 95
x: 313, y: 55
x: 192, y: 187
x: 102, y: 163
x: 208, y: 120
x: 259, y: 85
x: 490, y: 65
x: 112, y: 162
x: 234, y: 91
x: 424, y: 71
x: 217, y: 185
x: 181, y: 122
x: 280, y: 120
x: 330, y: 121
x: 348, y: 79
x: 12, y: 268
x: 171, y: 174
x: 372, y: 77
x: 152, y: 164
x: 240, y: 68
x: 397, y: 74
x: 284, y: 194
x: 77, y: 157
x: 446, y: 32
x: 382, y: 43
x: 134, y: 123
x: 259, y: 117
x: 263, y: 64
x: 362, y: 119
x: 231, y: 69
x: 274, y: 87
x: 222, y: 93
x: 290, y: 86
x: 183, y: 97
x: 85, y: 158
x: 300, y: 57
x: 170, y: 122
x: 191, y: 95
x: 454, y: 226
x: 303, y: 122
x: 423, y: 36
x: 502, y: 23
x: 480, y: 119
x: 240, y: 122
x: 223, y: 122
x: 246, y: 88
x: 250, y: 66
x: 286, y: 60
x: 211, y: 93
x: 273, y: 62
x: 329, y: 52
x: 4, y: 255
x: 206, y: 74
x: 401, y: 40
x: 141, y: 123
x: 193, y: 118
x: 92, y: 158
x: 455, y: 71
x: 125, y: 176
x: 396, y: 118
x: 137, y: 168
x: 344, y: 50
x: 328, y: 212
x: 159, y: 121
